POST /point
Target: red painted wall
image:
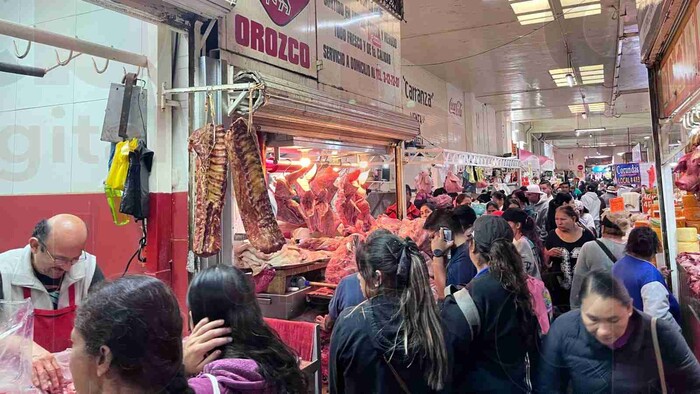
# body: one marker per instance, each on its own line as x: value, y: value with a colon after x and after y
x: 113, y: 245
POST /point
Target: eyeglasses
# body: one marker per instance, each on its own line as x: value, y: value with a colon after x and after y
x: 61, y: 260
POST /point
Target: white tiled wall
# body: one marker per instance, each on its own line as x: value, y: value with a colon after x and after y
x: 50, y: 127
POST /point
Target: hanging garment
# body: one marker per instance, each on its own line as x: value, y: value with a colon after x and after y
x: 135, y: 201
x: 452, y: 183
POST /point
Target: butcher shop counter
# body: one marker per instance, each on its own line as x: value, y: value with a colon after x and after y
x: 277, y: 302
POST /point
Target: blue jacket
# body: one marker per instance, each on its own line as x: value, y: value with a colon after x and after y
x: 647, y: 287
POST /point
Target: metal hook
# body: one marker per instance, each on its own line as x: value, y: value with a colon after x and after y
x: 138, y: 71
x: 97, y: 70
x: 26, y: 52
x: 63, y: 63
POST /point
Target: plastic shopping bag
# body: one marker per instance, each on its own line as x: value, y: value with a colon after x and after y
x: 16, y: 333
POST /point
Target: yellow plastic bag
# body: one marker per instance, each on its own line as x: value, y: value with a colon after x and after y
x: 120, y: 165
x: 116, y: 178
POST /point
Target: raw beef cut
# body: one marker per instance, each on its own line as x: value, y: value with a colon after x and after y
x: 689, y: 166
x: 288, y: 210
x: 691, y: 263
x: 250, y: 189
x: 352, y: 206
x: 211, y: 165
x: 414, y: 230
x: 387, y: 223
x: 329, y: 244
x: 320, y: 216
x: 342, y: 262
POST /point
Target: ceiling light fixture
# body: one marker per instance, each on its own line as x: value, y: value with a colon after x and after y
x: 570, y: 80
x: 591, y: 130
x: 530, y: 12
x: 647, y: 138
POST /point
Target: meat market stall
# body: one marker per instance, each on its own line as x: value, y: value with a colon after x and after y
x: 300, y: 168
x: 675, y: 104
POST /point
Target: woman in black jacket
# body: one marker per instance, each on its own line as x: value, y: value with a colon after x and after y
x: 392, y: 342
x: 490, y: 328
x: 607, y: 346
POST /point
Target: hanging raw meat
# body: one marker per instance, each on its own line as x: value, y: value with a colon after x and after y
x: 250, y: 190
x: 453, y: 184
x: 352, y: 205
x: 288, y: 209
x: 211, y: 163
x: 320, y: 216
x: 424, y: 184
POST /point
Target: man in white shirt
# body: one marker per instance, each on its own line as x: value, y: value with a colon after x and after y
x: 591, y: 201
x: 53, y: 270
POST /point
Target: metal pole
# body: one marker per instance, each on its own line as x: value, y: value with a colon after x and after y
x: 401, y: 210
x: 190, y: 129
x: 73, y: 44
x: 22, y: 70
x: 658, y: 163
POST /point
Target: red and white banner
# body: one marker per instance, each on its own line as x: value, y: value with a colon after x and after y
x: 278, y: 32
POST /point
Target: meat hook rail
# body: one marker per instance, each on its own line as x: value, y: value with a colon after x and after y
x: 245, y: 84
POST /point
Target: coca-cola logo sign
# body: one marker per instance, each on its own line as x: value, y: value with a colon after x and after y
x: 456, y: 107
x: 283, y: 11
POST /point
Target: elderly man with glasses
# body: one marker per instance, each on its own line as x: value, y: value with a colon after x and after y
x: 56, y: 273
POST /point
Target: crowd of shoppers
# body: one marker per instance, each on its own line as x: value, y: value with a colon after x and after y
x: 610, y: 325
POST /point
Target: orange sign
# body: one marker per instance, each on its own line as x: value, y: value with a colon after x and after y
x: 617, y: 204
x: 679, y: 75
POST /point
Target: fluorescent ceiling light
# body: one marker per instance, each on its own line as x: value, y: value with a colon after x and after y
x: 587, y: 108
x: 537, y: 17
x: 577, y: 108
x: 529, y: 6
x: 559, y: 76
x: 647, y: 138
x: 596, y: 107
x: 530, y: 12
x: 591, y: 130
x: 580, y: 12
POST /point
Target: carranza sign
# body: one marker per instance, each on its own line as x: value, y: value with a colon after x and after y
x: 418, y: 95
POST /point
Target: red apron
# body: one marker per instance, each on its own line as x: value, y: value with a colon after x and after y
x: 52, y: 328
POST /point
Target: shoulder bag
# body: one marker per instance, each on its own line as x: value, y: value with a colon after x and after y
x: 657, y: 353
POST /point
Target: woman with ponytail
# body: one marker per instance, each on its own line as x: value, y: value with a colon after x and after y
x: 525, y: 240
x: 127, y: 338
x: 392, y: 342
x: 490, y: 326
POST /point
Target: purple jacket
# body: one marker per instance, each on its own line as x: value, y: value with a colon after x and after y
x: 235, y: 375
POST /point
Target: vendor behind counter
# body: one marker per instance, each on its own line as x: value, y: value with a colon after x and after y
x: 53, y: 270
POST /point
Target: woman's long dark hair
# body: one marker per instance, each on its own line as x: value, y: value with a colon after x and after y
x: 493, y: 241
x: 527, y: 227
x: 138, y: 318
x: 405, y: 273
x: 224, y: 293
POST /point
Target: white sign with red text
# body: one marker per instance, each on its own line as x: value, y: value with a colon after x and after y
x: 359, y: 46
x: 279, y: 32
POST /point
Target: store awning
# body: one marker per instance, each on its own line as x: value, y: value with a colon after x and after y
x: 304, y: 112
